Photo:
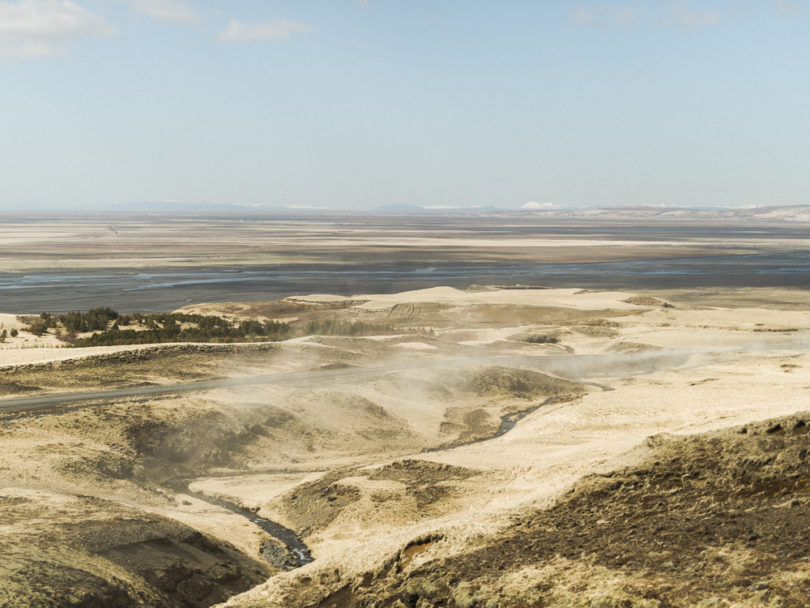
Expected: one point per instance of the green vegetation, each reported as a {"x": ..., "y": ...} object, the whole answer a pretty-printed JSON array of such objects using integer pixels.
[
  {"x": 39, "y": 325},
  {"x": 111, "y": 328},
  {"x": 175, "y": 327},
  {"x": 542, "y": 339},
  {"x": 151, "y": 328},
  {"x": 95, "y": 319}
]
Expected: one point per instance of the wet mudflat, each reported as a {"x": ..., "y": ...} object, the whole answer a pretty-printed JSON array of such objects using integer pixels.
[
  {"x": 165, "y": 289},
  {"x": 143, "y": 264}
]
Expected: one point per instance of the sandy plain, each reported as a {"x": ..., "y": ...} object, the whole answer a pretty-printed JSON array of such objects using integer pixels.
[
  {"x": 498, "y": 446},
  {"x": 138, "y": 242},
  {"x": 400, "y": 464}
]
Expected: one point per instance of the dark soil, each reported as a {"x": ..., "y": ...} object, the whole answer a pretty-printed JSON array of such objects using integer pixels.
[
  {"x": 116, "y": 557},
  {"x": 720, "y": 517}
]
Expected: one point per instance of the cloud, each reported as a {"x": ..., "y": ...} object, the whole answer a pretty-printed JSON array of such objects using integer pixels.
[
  {"x": 41, "y": 28},
  {"x": 170, "y": 11},
  {"x": 602, "y": 16},
  {"x": 533, "y": 206},
  {"x": 684, "y": 17},
  {"x": 589, "y": 16},
  {"x": 678, "y": 13},
  {"x": 788, "y": 7},
  {"x": 278, "y": 29}
]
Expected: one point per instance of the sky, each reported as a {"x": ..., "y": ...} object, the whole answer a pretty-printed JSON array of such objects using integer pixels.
[{"x": 355, "y": 104}]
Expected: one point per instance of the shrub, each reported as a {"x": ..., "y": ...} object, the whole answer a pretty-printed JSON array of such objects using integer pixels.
[{"x": 542, "y": 339}]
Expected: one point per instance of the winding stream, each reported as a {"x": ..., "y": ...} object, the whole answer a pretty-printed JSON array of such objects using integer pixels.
[
  {"x": 508, "y": 422},
  {"x": 297, "y": 553}
]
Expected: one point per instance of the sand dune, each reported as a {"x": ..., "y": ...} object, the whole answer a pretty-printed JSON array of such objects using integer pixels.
[{"x": 386, "y": 475}]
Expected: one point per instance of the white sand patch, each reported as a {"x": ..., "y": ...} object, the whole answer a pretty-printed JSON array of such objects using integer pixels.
[
  {"x": 22, "y": 355},
  {"x": 309, "y": 341},
  {"x": 563, "y": 298},
  {"x": 10, "y": 322},
  {"x": 318, "y": 298},
  {"x": 415, "y": 346},
  {"x": 253, "y": 490},
  {"x": 739, "y": 319},
  {"x": 483, "y": 337}
]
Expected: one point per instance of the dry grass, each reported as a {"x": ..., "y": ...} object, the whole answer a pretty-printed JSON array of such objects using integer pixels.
[{"x": 353, "y": 462}]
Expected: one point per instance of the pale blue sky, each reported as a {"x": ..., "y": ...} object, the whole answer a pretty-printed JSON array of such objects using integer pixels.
[{"x": 350, "y": 104}]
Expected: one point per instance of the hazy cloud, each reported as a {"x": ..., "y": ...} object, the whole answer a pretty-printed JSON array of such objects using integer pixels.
[
  {"x": 789, "y": 7},
  {"x": 600, "y": 15},
  {"x": 586, "y": 15},
  {"x": 681, "y": 15},
  {"x": 278, "y": 29},
  {"x": 41, "y": 28},
  {"x": 534, "y": 205},
  {"x": 170, "y": 11}
]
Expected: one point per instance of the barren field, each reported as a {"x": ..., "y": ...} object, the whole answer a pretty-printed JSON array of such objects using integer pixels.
[
  {"x": 144, "y": 242},
  {"x": 506, "y": 447}
]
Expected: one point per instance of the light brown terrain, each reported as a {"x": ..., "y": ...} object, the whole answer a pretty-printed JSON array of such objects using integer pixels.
[
  {"x": 654, "y": 454},
  {"x": 135, "y": 241}
]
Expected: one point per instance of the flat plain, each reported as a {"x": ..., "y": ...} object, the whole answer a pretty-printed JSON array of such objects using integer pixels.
[
  {"x": 135, "y": 263},
  {"x": 496, "y": 443}
]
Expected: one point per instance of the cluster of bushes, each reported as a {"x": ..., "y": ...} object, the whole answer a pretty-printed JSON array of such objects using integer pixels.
[
  {"x": 111, "y": 328},
  {"x": 95, "y": 319},
  {"x": 5, "y": 334},
  {"x": 39, "y": 325},
  {"x": 167, "y": 328},
  {"x": 151, "y": 328},
  {"x": 542, "y": 339}
]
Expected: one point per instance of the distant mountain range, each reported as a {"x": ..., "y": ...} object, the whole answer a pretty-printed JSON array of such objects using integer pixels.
[
  {"x": 638, "y": 213},
  {"x": 776, "y": 213},
  {"x": 780, "y": 213}
]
